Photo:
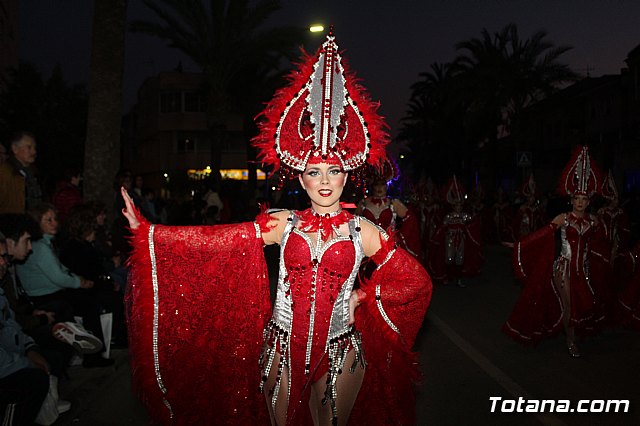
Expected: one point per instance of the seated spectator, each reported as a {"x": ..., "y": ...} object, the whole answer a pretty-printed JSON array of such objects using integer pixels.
[
  {"x": 67, "y": 194},
  {"x": 79, "y": 254},
  {"x": 24, "y": 372},
  {"x": 47, "y": 283},
  {"x": 40, "y": 324}
]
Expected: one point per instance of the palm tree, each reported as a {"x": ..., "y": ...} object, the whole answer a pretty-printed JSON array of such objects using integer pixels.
[
  {"x": 102, "y": 148},
  {"x": 503, "y": 74},
  {"x": 227, "y": 41},
  {"x": 433, "y": 122}
]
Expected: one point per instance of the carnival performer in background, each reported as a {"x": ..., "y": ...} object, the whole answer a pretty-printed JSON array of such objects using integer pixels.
[
  {"x": 530, "y": 216},
  {"x": 456, "y": 249},
  {"x": 389, "y": 213},
  {"x": 199, "y": 301},
  {"x": 431, "y": 213},
  {"x": 615, "y": 221},
  {"x": 502, "y": 217},
  {"x": 563, "y": 291}
]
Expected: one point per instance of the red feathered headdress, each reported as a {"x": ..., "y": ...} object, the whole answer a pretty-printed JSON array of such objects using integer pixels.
[
  {"x": 388, "y": 171},
  {"x": 529, "y": 187},
  {"x": 580, "y": 176},
  {"x": 454, "y": 192},
  {"x": 609, "y": 190},
  {"x": 323, "y": 115}
]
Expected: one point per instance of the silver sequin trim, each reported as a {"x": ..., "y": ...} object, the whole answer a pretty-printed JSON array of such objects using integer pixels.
[
  {"x": 386, "y": 259},
  {"x": 520, "y": 260},
  {"x": 258, "y": 232},
  {"x": 156, "y": 303},
  {"x": 382, "y": 311}
]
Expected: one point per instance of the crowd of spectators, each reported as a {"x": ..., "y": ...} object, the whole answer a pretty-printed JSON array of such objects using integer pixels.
[{"x": 59, "y": 275}]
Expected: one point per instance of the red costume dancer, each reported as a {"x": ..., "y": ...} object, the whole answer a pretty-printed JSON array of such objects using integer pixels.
[
  {"x": 389, "y": 213},
  {"x": 628, "y": 265},
  {"x": 456, "y": 246},
  {"x": 199, "y": 303},
  {"x": 530, "y": 216},
  {"x": 614, "y": 220},
  {"x": 564, "y": 290}
]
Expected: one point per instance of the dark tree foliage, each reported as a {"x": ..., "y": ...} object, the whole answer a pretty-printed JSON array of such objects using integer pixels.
[
  {"x": 53, "y": 110},
  {"x": 459, "y": 107},
  {"x": 236, "y": 49}
]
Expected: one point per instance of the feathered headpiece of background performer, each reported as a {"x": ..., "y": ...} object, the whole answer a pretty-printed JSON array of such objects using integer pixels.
[
  {"x": 581, "y": 175},
  {"x": 322, "y": 115},
  {"x": 529, "y": 187},
  {"x": 609, "y": 190},
  {"x": 387, "y": 171},
  {"x": 426, "y": 189},
  {"x": 454, "y": 192}
]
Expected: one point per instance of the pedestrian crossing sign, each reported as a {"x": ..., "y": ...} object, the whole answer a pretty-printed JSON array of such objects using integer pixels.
[{"x": 524, "y": 158}]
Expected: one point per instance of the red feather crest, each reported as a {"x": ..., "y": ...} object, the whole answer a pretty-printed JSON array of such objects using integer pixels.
[{"x": 323, "y": 115}]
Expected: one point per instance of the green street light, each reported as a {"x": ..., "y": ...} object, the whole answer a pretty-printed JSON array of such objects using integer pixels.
[{"x": 316, "y": 28}]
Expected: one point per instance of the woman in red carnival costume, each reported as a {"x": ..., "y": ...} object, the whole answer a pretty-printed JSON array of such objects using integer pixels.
[
  {"x": 529, "y": 216},
  {"x": 614, "y": 219},
  {"x": 564, "y": 291},
  {"x": 456, "y": 249},
  {"x": 199, "y": 311},
  {"x": 391, "y": 214}
]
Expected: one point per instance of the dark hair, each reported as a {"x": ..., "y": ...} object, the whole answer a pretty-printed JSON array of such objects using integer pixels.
[
  {"x": 80, "y": 222},
  {"x": 39, "y": 210},
  {"x": 120, "y": 178},
  {"x": 18, "y": 136},
  {"x": 97, "y": 207},
  {"x": 71, "y": 172},
  {"x": 15, "y": 225}
]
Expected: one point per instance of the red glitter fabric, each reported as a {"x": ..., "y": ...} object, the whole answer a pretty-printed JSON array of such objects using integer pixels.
[
  {"x": 210, "y": 323},
  {"x": 387, "y": 395},
  {"x": 213, "y": 303},
  {"x": 334, "y": 267}
]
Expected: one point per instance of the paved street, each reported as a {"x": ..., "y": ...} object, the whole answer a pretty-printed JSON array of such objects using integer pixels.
[{"x": 466, "y": 360}]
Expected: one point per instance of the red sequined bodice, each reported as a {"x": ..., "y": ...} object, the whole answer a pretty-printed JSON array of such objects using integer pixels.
[
  {"x": 383, "y": 216},
  {"x": 335, "y": 263}
]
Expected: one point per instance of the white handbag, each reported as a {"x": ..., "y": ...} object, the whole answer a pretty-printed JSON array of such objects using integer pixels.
[{"x": 49, "y": 411}]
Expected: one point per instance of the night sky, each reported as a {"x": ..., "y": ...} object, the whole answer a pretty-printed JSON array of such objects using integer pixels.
[{"x": 387, "y": 43}]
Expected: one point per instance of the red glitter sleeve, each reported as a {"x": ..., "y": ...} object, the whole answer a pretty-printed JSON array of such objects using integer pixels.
[
  {"x": 387, "y": 395},
  {"x": 206, "y": 312},
  {"x": 538, "y": 308}
]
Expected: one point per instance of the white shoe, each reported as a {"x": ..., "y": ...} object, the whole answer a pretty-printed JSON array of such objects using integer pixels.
[
  {"x": 75, "y": 335},
  {"x": 63, "y": 406}
]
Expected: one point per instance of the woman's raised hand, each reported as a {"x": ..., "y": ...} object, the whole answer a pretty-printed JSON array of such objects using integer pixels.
[{"x": 129, "y": 210}]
